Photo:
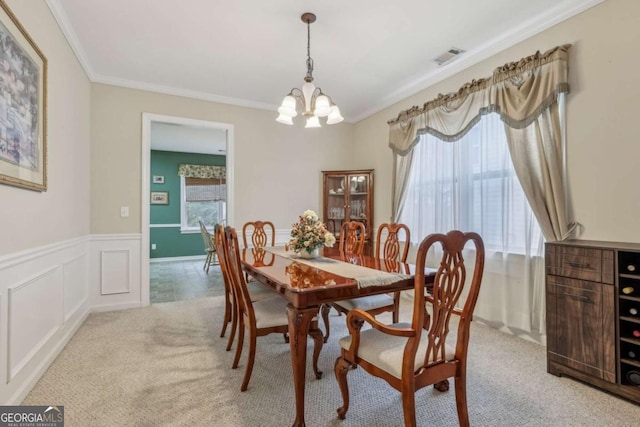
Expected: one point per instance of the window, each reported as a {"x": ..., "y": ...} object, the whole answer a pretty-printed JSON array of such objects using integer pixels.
[
  {"x": 470, "y": 185},
  {"x": 202, "y": 199}
]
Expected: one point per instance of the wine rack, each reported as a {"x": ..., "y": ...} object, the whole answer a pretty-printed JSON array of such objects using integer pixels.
[
  {"x": 629, "y": 317},
  {"x": 593, "y": 314}
]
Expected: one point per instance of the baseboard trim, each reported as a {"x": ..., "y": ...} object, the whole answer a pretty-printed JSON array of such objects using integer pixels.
[
  {"x": 115, "y": 307},
  {"x": 178, "y": 258}
]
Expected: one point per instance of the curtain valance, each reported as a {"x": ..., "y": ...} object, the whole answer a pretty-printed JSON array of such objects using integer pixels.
[
  {"x": 202, "y": 171},
  {"x": 518, "y": 91}
]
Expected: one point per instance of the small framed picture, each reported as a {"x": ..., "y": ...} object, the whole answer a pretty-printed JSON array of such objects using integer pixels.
[
  {"x": 158, "y": 179},
  {"x": 159, "y": 197}
]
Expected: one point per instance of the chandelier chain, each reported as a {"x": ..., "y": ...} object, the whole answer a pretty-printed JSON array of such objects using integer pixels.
[{"x": 309, "y": 76}]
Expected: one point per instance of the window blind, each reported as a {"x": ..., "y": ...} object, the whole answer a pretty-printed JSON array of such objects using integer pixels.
[{"x": 205, "y": 189}]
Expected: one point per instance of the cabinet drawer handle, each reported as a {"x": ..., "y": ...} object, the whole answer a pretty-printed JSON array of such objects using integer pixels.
[
  {"x": 578, "y": 265},
  {"x": 578, "y": 297}
]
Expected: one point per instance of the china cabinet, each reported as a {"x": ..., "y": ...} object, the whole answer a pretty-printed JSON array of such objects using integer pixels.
[
  {"x": 348, "y": 196},
  {"x": 593, "y": 314}
]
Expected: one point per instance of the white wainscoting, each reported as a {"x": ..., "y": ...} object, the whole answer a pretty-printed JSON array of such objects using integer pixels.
[
  {"x": 44, "y": 298},
  {"x": 47, "y": 292},
  {"x": 115, "y": 272},
  {"x": 282, "y": 236}
]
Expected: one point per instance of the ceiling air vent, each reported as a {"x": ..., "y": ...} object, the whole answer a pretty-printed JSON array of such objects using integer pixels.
[{"x": 448, "y": 56}]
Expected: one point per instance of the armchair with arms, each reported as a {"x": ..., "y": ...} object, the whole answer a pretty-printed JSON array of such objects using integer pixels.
[{"x": 410, "y": 356}]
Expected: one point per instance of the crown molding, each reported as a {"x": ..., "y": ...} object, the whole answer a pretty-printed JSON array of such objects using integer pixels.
[
  {"x": 63, "y": 22},
  {"x": 510, "y": 38},
  {"x": 168, "y": 90},
  {"x": 504, "y": 41}
]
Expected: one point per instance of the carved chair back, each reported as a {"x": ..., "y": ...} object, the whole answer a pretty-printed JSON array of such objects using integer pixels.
[
  {"x": 392, "y": 248},
  {"x": 449, "y": 282},
  {"x": 352, "y": 234},
  {"x": 260, "y": 233}
]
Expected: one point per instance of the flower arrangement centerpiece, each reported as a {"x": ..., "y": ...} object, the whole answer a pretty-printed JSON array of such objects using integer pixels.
[{"x": 309, "y": 234}]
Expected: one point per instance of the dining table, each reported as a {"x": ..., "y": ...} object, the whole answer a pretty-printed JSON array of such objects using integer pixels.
[{"x": 308, "y": 283}]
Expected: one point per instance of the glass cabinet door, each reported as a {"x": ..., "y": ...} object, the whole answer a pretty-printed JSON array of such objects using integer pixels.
[
  {"x": 348, "y": 196},
  {"x": 358, "y": 197},
  {"x": 335, "y": 209}
]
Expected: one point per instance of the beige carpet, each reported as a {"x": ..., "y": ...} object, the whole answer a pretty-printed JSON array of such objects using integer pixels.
[{"x": 166, "y": 365}]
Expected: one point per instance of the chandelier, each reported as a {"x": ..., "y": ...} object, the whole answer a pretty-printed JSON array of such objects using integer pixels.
[{"x": 314, "y": 103}]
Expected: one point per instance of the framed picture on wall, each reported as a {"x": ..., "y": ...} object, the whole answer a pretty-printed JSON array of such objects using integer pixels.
[
  {"x": 159, "y": 197},
  {"x": 158, "y": 179},
  {"x": 23, "y": 106}
]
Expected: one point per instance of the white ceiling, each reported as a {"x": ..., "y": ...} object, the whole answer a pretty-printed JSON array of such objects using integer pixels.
[
  {"x": 368, "y": 53},
  {"x": 188, "y": 139}
]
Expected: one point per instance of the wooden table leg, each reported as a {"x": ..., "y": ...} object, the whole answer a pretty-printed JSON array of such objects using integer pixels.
[{"x": 299, "y": 321}]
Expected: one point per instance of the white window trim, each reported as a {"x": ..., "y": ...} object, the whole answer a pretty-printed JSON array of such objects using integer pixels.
[{"x": 184, "y": 228}]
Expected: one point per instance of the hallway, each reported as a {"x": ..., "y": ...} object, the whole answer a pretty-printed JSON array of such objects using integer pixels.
[{"x": 183, "y": 280}]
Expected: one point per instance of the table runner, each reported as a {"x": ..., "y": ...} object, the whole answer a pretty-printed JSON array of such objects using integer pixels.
[{"x": 363, "y": 276}]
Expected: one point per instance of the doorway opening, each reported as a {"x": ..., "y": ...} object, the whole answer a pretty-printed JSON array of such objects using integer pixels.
[{"x": 164, "y": 135}]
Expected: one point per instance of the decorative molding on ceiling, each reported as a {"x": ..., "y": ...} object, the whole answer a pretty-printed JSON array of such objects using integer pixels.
[
  {"x": 506, "y": 40},
  {"x": 63, "y": 22},
  {"x": 510, "y": 38}
]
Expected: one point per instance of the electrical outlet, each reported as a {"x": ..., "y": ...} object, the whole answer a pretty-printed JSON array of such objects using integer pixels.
[
  {"x": 153, "y": 246},
  {"x": 124, "y": 211}
]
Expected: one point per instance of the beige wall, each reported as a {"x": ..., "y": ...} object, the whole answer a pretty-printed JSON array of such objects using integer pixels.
[
  {"x": 277, "y": 167},
  {"x": 275, "y": 163},
  {"x": 602, "y": 110},
  {"x": 27, "y": 218}
]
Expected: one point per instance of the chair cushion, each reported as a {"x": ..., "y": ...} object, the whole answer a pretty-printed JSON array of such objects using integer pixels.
[
  {"x": 259, "y": 291},
  {"x": 386, "y": 351},
  {"x": 366, "y": 303},
  {"x": 271, "y": 312}
]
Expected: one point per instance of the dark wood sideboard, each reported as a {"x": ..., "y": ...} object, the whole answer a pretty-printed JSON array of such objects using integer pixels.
[{"x": 593, "y": 314}]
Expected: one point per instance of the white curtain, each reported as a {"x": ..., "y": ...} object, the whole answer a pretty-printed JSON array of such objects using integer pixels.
[
  {"x": 463, "y": 193},
  {"x": 471, "y": 185}
]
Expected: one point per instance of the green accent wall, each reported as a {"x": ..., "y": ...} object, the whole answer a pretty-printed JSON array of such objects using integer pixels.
[{"x": 168, "y": 240}]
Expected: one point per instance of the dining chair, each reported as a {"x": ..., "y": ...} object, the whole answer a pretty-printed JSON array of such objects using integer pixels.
[
  {"x": 410, "y": 356},
  {"x": 256, "y": 290},
  {"x": 209, "y": 247},
  {"x": 352, "y": 235},
  {"x": 261, "y": 317},
  {"x": 392, "y": 245},
  {"x": 259, "y": 233}
]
